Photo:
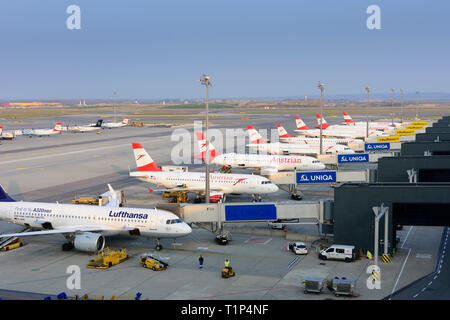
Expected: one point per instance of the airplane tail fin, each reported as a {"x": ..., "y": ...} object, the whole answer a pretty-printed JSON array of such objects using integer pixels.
[
  {"x": 4, "y": 197},
  {"x": 348, "y": 120},
  {"x": 282, "y": 132},
  {"x": 201, "y": 140},
  {"x": 300, "y": 124},
  {"x": 324, "y": 122},
  {"x": 58, "y": 127},
  {"x": 99, "y": 123},
  {"x": 1, "y": 130},
  {"x": 125, "y": 120},
  {"x": 255, "y": 137},
  {"x": 143, "y": 160}
]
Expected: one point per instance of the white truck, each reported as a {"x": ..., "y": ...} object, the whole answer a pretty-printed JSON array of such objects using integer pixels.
[{"x": 339, "y": 252}]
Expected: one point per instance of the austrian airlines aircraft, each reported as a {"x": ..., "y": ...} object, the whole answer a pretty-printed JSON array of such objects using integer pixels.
[
  {"x": 43, "y": 132},
  {"x": 286, "y": 137},
  {"x": 84, "y": 227},
  {"x": 335, "y": 131},
  {"x": 110, "y": 125},
  {"x": 91, "y": 127},
  {"x": 372, "y": 125},
  {"x": 220, "y": 183},
  {"x": 258, "y": 143},
  {"x": 267, "y": 164},
  {"x": 6, "y": 135}
]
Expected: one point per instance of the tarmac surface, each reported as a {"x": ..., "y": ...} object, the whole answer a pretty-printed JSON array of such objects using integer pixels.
[{"x": 62, "y": 167}]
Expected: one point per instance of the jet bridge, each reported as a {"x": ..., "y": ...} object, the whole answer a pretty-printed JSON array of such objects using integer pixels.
[{"x": 213, "y": 216}]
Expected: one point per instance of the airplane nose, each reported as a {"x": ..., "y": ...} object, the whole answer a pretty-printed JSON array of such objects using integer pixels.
[
  {"x": 321, "y": 166},
  {"x": 185, "y": 229}
]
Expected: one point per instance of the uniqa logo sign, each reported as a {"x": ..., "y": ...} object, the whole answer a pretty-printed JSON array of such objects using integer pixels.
[
  {"x": 316, "y": 177},
  {"x": 353, "y": 158},
  {"x": 377, "y": 146}
]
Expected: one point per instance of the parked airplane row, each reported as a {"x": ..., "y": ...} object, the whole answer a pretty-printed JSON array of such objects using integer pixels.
[{"x": 9, "y": 135}]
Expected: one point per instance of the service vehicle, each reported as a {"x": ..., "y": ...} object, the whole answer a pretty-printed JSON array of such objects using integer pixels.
[
  {"x": 107, "y": 258},
  {"x": 298, "y": 247},
  {"x": 17, "y": 243},
  {"x": 228, "y": 272},
  {"x": 338, "y": 252},
  {"x": 150, "y": 262}
]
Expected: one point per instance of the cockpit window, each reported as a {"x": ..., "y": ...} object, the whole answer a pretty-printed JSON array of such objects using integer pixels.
[
  {"x": 266, "y": 182},
  {"x": 172, "y": 221}
]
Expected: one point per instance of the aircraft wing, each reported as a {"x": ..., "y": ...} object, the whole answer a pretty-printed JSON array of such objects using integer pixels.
[
  {"x": 58, "y": 231},
  {"x": 268, "y": 170}
]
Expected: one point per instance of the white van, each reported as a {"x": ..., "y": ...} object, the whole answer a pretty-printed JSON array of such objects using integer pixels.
[{"x": 338, "y": 252}]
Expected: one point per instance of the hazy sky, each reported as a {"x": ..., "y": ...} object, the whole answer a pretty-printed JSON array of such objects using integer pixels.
[{"x": 251, "y": 48}]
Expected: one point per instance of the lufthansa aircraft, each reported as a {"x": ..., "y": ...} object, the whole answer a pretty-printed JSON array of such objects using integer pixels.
[
  {"x": 84, "y": 227},
  {"x": 220, "y": 183}
]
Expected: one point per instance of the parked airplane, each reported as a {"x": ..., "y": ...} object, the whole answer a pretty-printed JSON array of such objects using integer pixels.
[
  {"x": 266, "y": 164},
  {"x": 43, "y": 132},
  {"x": 258, "y": 143},
  {"x": 6, "y": 135},
  {"x": 372, "y": 125},
  {"x": 286, "y": 137},
  {"x": 110, "y": 125},
  {"x": 220, "y": 183},
  {"x": 91, "y": 127},
  {"x": 342, "y": 131},
  {"x": 84, "y": 227}
]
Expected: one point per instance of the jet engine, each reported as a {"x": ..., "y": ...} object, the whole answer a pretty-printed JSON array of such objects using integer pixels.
[{"x": 89, "y": 242}]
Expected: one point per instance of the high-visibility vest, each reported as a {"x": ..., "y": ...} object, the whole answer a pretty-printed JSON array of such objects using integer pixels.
[{"x": 227, "y": 263}]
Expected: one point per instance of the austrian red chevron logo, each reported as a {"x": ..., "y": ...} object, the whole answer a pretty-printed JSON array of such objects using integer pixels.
[
  {"x": 239, "y": 180},
  {"x": 142, "y": 155}
]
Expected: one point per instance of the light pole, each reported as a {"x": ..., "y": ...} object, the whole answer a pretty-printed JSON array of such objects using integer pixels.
[
  {"x": 401, "y": 106},
  {"x": 204, "y": 80},
  {"x": 417, "y": 105},
  {"x": 114, "y": 93},
  {"x": 320, "y": 86},
  {"x": 368, "y": 110},
  {"x": 393, "y": 91}
]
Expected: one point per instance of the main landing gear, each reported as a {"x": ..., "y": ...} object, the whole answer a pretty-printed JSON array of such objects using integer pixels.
[{"x": 158, "y": 245}]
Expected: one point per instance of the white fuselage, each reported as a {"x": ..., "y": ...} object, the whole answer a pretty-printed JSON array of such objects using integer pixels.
[
  {"x": 375, "y": 125},
  {"x": 227, "y": 183},
  {"x": 82, "y": 128},
  {"x": 40, "y": 132},
  {"x": 279, "y": 162},
  {"x": 110, "y": 125},
  {"x": 341, "y": 131},
  {"x": 311, "y": 149},
  {"x": 118, "y": 220},
  {"x": 303, "y": 139}
]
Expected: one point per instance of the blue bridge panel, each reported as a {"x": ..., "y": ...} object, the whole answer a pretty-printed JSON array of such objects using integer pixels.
[{"x": 252, "y": 212}]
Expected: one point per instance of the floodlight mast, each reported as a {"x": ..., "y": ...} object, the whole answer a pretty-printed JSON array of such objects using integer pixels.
[
  {"x": 205, "y": 80},
  {"x": 321, "y": 87},
  {"x": 367, "y": 114}
]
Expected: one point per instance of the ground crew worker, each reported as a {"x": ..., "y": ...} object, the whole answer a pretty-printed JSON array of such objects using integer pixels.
[
  {"x": 227, "y": 264},
  {"x": 200, "y": 261}
]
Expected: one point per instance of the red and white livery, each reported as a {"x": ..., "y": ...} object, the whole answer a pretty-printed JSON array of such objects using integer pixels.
[
  {"x": 266, "y": 164},
  {"x": 220, "y": 183},
  {"x": 258, "y": 143}
]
